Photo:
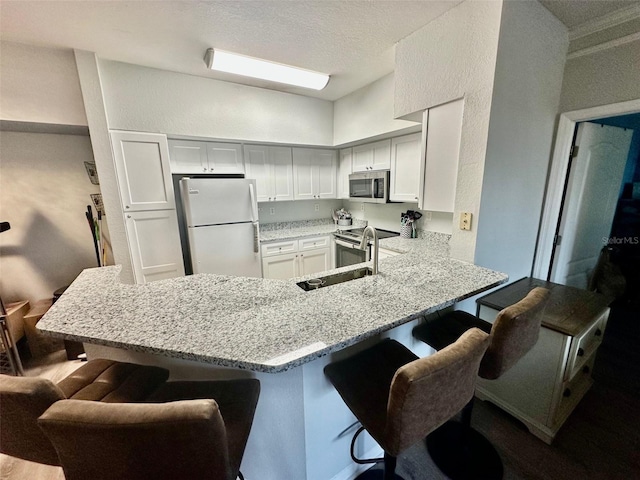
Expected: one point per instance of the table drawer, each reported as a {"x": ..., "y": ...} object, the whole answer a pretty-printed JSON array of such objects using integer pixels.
[
  {"x": 584, "y": 345},
  {"x": 279, "y": 248},
  {"x": 573, "y": 390},
  {"x": 313, "y": 243}
]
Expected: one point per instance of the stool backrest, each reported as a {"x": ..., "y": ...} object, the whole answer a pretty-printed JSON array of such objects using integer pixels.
[
  {"x": 514, "y": 332},
  {"x": 429, "y": 391},
  {"x": 22, "y": 401},
  {"x": 127, "y": 441}
]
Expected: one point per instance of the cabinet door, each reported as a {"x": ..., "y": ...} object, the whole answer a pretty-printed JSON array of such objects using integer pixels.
[
  {"x": 362, "y": 158},
  {"x": 344, "y": 170},
  {"x": 154, "y": 244},
  {"x": 281, "y": 163},
  {"x": 381, "y": 155},
  {"x": 144, "y": 173},
  {"x": 405, "y": 168},
  {"x": 280, "y": 267},
  {"x": 188, "y": 157},
  {"x": 258, "y": 168},
  {"x": 225, "y": 158},
  {"x": 315, "y": 261},
  {"x": 326, "y": 171},
  {"x": 304, "y": 180},
  {"x": 444, "y": 129}
]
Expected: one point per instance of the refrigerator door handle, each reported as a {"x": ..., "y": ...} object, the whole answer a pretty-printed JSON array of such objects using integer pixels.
[
  {"x": 256, "y": 238},
  {"x": 254, "y": 204}
]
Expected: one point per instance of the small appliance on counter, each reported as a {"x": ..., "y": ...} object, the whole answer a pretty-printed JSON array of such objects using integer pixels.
[
  {"x": 348, "y": 246},
  {"x": 342, "y": 218}
]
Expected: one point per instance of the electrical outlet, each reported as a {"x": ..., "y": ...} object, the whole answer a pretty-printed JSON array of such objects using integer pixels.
[
  {"x": 465, "y": 221},
  {"x": 272, "y": 211},
  {"x": 316, "y": 207},
  {"x": 362, "y": 206}
]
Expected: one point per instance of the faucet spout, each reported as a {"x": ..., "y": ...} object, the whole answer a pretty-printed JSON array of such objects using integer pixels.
[{"x": 370, "y": 231}]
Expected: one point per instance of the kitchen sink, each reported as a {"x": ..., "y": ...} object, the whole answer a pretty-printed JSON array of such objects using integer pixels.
[{"x": 335, "y": 279}]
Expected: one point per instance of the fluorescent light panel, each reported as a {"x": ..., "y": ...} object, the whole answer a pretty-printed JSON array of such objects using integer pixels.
[{"x": 263, "y": 69}]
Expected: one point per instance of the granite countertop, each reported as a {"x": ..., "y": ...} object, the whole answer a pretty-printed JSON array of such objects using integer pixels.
[
  {"x": 271, "y": 232},
  {"x": 262, "y": 324}
]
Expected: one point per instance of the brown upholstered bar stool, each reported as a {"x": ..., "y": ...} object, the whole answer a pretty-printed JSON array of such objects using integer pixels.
[
  {"x": 24, "y": 399},
  {"x": 458, "y": 450},
  {"x": 400, "y": 398},
  {"x": 190, "y": 439}
]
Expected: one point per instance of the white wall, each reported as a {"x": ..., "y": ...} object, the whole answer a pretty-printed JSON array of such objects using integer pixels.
[
  {"x": 531, "y": 55},
  {"x": 366, "y": 113},
  {"x": 44, "y": 191},
  {"x": 150, "y": 100},
  {"x": 297, "y": 210},
  {"x": 387, "y": 216},
  {"x": 453, "y": 57},
  {"x": 602, "y": 78},
  {"x": 39, "y": 85}
]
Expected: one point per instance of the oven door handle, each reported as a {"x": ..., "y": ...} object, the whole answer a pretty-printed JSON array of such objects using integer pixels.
[{"x": 343, "y": 243}]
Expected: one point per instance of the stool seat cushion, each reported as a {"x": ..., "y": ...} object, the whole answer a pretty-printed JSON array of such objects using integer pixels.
[
  {"x": 113, "y": 382},
  {"x": 237, "y": 400}
]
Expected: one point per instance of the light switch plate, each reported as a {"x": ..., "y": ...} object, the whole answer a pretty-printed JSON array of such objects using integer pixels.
[{"x": 465, "y": 221}]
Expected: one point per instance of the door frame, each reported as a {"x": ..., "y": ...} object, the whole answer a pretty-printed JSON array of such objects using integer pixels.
[{"x": 558, "y": 172}]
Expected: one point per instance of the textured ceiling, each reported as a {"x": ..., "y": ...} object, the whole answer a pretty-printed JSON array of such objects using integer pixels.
[{"x": 353, "y": 40}]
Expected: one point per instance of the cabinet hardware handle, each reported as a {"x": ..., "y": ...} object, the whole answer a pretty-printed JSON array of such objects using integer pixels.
[
  {"x": 204, "y": 169},
  {"x": 566, "y": 393},
  {"x": 585, "y": 369},
  {"x": 580, "y": 352},
  {"x": 128, "y": 216},
  {"x": 598, "y": 332},
  {"x": 126, "y": 206}
]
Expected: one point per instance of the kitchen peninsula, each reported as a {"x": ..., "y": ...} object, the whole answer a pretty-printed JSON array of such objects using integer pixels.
[{"x": 274, "y": 331}]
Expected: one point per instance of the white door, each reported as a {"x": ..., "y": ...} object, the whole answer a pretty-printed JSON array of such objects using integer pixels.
[
  {"x": 154, "y": 244},
  {"x": 281, "y": 176},
  {"x": 326, "y": 171},
  {"x": 212, "y": 201},
  {"x": 143, "y": 169},
  {"x": 281, "y": 267},
  {"x": 304, "y": 187},
  {"x": 443, "y": 126},
  {"x": 225, "y": 158},
  {"x": 315, "y": 261},
  {"x": 362, "y": 158},
  {"x": 258, "y": 168},
  {"x": 344, "y": 170},
  {"x": 595, "y": 177},
  {"x": 405, "y": 168},
  {"x": 381, "y": 155},
  {"x": 187, "y": 156},
  {"x": 225, "y": 250}
]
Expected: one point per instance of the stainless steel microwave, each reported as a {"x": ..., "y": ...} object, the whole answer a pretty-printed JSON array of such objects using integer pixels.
[{"x": 370, "y": 187}]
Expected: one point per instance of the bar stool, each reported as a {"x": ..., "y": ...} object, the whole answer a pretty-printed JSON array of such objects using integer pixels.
[
  {"x": 399, "y": 398},
  {"x": 458, "y": 450},
  {"x": 24, "y": 399},
  {"x": 200, "y": 438}
]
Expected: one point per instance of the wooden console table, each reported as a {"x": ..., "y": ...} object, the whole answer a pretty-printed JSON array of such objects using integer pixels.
[{"x": 546, "y": 385}]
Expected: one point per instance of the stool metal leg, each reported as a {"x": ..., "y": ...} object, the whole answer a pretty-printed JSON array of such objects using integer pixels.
[{"x": 10, "y": 347}]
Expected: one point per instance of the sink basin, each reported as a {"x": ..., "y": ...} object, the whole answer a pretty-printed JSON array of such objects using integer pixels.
[{"x": 335, "y": 279}]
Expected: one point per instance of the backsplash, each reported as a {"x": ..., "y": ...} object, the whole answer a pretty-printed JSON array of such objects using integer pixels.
[
  {"x": 297, "y": 210},
  {"x": 387, "y": 216}
]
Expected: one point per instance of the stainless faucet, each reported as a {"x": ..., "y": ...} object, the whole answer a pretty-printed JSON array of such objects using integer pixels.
[{"x": 369, "y": 230}]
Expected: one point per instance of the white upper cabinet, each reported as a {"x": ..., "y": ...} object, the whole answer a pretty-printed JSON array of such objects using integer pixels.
[
  {"x": 344, "y": 170},
  {"x": 405, "y": 168},
  {"x": 372, "y": 156},
  {"x": 225, "y": 158},
  {"x": 142, "y": 167},
  {"x": 444, "y": 130},
  {"x": 272, "y": 168},
  {"x": 189, "y": 156},
  {"x": 314, "y": 173}
]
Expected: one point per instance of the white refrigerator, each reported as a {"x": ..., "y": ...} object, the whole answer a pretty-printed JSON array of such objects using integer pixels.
[{"x": 221, "y": 216}]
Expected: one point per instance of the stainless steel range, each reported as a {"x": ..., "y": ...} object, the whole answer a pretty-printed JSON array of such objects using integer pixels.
[{"x": 348, "y": 246}]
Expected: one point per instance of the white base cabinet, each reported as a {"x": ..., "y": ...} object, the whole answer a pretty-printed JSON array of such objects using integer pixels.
[
  {"x": 154, "y": 244},
  {"x": 296, "y": 258}
]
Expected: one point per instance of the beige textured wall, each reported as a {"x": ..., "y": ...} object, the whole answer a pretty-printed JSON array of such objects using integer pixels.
[{"x": 44, "y": 191}]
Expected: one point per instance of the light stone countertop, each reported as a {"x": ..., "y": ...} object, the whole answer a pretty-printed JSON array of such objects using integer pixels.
[
  {"x": 262, "y": 324},
  {"x": 281, "y": 231}
]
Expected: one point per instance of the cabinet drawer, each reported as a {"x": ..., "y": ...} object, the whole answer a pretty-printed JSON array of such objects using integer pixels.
[
  {"x": 573, "y": 390},
  {"x": 584, "y": 345},
  {"x": 279, "y": 248},
  {"x": 312, "y": 243}
]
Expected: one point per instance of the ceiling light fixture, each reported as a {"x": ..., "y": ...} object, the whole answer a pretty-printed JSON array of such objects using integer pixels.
[{"x": 263, "y": 69}]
